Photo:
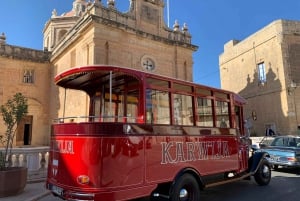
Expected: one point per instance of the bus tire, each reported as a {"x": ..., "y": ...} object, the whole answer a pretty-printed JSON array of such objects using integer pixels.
[
  {"x": 185, "y": 188},
  {"x": 263, "y": 173}
]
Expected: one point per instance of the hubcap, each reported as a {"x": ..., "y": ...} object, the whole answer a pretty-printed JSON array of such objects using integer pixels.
[
  {"x": 183, "y": 196},
  {"x": 266, "y": 171}
]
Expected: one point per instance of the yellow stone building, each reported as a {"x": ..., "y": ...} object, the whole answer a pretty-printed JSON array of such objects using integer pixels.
[
  {"x": 91, "y": 33},
  {"x": 27, "y": 71},
  {"x": 265, "y": 69}
]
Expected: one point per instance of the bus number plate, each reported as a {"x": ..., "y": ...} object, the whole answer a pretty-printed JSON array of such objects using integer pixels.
[{"x": 56, "y": 190}]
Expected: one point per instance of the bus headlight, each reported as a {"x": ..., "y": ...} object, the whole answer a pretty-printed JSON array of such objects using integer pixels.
[{"x": 83, "y": 179}]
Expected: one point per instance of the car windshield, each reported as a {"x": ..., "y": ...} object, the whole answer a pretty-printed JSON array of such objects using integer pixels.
[
  {"x": 286, "y": 142},
  {"x": 266, "y": 141}
]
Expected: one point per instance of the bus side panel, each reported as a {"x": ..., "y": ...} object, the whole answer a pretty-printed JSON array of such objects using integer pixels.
[
  {"x": 109, "y": 162},
  {"x": 208, "y": 155}
]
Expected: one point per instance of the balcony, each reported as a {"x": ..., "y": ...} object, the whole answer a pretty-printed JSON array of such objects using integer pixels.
[{"x": 34, "y": 158}]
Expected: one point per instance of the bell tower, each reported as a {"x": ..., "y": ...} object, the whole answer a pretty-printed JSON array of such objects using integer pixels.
[
  {"x": 58, "y": 25},
  {"x": 149, "y": 15},
  {"x": 79, "y": 7}
]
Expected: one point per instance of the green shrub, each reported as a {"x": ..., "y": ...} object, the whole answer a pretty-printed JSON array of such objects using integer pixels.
[{"x": 12, "y": 113}]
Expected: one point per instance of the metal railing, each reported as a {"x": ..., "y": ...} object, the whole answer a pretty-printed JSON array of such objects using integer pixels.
[{"x": 104, "y": 118}]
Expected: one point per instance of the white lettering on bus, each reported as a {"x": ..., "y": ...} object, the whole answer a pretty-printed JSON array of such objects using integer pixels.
[
  {"x": 166, "y": 157},
  {"x": 190, "y": 151},
  {"x": 177, "y": 152},
  {"x": 64, "y": 146}
]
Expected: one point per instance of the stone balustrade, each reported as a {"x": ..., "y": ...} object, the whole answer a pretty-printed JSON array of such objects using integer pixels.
[
  {"x": 23, "y": 53},
  {"x": 34, "y": 158}
]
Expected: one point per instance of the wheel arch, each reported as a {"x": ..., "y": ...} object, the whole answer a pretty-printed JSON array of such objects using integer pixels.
[
  {"x": 191, "y": 171},
  {"x": 255, "y": 161},
  {"x": 163, "y": 189}
]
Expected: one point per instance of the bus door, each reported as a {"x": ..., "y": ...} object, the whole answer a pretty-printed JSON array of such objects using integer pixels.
[{"x": 243, "y": 140}]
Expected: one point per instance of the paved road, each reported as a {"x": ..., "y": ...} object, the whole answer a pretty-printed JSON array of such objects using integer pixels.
[{"x": 284, "y": 186}]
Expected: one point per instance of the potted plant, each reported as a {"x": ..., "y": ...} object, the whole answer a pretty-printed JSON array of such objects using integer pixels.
[{"x": 12, "y": 179}]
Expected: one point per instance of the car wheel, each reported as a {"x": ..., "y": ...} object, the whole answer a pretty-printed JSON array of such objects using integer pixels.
[
  {"x": 186, "y": 188},
  {"x": 263, "y": 173}
]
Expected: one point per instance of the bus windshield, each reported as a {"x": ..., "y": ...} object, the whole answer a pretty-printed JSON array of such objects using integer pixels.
[
  {"x": 118, "y": 102},
  {"x": 113, "y": 95}
]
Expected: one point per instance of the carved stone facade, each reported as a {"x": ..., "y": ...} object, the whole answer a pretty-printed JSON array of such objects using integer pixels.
[
  {"x": 136, "y": 39},
  {"x": 103, "y": 35},
  {"x": 264, "y": 69},
  {"x": 91, "y": 33}
]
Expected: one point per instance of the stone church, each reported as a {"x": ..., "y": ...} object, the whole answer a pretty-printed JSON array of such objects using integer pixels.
[{"x": 93, "y": 32}]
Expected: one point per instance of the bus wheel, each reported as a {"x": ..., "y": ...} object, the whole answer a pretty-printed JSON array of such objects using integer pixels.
[
  {"x": 186, "y": 188},
  {"x": 263, "y": 174}
]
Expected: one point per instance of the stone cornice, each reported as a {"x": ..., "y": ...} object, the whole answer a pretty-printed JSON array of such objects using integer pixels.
[
  {"x": 172, "y": 38},
  {"x": 177, "y": 38}
]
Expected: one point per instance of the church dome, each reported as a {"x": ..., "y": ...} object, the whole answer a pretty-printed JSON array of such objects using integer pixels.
[{"x": 79, "y": 7}]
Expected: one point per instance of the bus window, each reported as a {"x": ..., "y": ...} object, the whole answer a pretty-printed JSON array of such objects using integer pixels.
[
  {"x": 221, "y": 95},
  {"x": 109, "y": 109},
  {"x": 96, "y": 107},
  {"x": 182, "y": 107},
  {"x": 132, "y": 106},
  {"x": 119, "y": 106},
  {"x": 99, "y": 109},
  {"x": 204, "y": 112},
  {"x": 239, "y": 124},
  {"x": 222, "y": 114},
  {"x": 182, "y": 88},
  {"x": 157, "y": 83},
  {"x": 124, "y": 108},
  {"x": 157, "y": 106},
  {"x": 204, "y": 92}
]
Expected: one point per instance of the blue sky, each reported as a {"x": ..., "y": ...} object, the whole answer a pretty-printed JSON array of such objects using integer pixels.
[{"x": 212, "y": 23}]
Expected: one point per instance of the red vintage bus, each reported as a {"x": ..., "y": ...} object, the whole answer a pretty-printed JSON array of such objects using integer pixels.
[{"x": 148, "y": 135}]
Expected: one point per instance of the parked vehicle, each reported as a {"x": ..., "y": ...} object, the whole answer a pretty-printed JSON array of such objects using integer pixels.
[
  {"x": 261, "y": 143},
  {"x": 147, "y": 135},
  {"x": 266, "y": 141},
  {"x": 283, "y": 151}
]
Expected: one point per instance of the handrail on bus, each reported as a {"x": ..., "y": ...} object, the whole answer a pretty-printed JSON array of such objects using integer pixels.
[{"x": 104, "y": 118}]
